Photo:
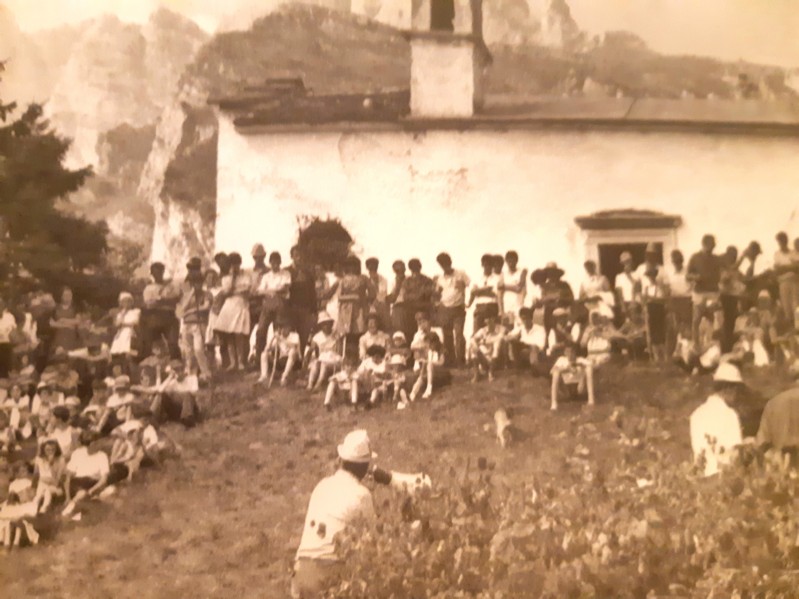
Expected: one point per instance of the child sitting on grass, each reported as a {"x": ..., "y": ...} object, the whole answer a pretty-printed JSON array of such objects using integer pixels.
[
  {"x": 50, "y": 470},
  {"x": 430, "y": 366},
  {"x": 372, "y": 373},
  {"x": 574, "y": 374},
  {"x": 397, "y": 368},
  {"x": 485, "y": 347},
  {"x": 526, "y": 341},
  {"x": 323, "y": 348},
  {"x": 345, "y": 380},
  {"x": 283, "y": 351}
]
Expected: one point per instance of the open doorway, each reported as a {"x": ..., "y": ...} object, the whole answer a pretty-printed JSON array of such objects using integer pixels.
[
  {"x": 442, "y": 15},
  {"x": 609, "y": 257}
]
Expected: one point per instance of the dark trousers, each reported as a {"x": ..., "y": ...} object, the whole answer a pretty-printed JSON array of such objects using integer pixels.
[
  {"x": 303, "y": 320},
  {"x": 452, "y": 320},
  {"x": 6, "y": 359},
  {"x": 403, "y": 319},
  {"x": 159, "y": 325},
  {"x": 271, "y": 311},
  {"x": 480, "y": 313},
  {"x": 729, "y": 307}
]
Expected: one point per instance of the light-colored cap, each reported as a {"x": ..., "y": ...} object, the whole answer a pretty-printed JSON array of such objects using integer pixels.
[
  {"x": 399, "y": 335},
  {"x": 651, "y": 248},
  {"x": 323, "y": 317},
  {"x": 72, "y": 402},
  {"x": 258, "y": 250},
  {"x": 727, "y": 373},
  {"x": 626, "y": 257},
  {"x": 122, "y": 382},
  {"x": 356, "y": 447}
]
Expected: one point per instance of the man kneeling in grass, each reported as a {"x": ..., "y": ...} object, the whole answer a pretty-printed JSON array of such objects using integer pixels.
[{"x": 573, "y": 376}]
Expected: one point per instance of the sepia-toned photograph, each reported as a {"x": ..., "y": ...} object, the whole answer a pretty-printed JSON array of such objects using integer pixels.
[{"x": 399, "y": 299}]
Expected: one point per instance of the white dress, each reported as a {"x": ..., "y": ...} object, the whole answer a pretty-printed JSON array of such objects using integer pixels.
[
  {"x": 234, "y": 317},
  {"x": 126, "y": 322},
  {"x": 512, "y": 301}
]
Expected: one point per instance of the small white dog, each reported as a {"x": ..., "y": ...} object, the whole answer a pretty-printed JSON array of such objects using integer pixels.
[
  {"x": 410, "y": 483},
  {"x": 503, "y": 423}
]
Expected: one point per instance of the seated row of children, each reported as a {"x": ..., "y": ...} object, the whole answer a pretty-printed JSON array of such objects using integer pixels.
[{"x": 61, "y": 451}]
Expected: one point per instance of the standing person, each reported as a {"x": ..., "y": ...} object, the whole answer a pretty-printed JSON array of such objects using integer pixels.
[
  {"x": 654, "y": 292},
  {"x": 380, "y": 291},
  {"x": 451, "y": 289},
  {"x": 65, "y": 323},
  {"x": 42, "y": 307},
  {"x": 396, "y": 298},
  {"x": 158, "y": 316},
  {"x": 732, "y": 289},
  {"x": 233, "y": 320},
  {"x": 704, "y": 271},
  {"x": 418, "y": 290},
  {"x": 555, "y": 293},
  {"x": 626, "y": 285},
  {"x": 513, "y": 285},
  {"x": 679, "y": 302},
  {"x": 336, "y": 503},
  {"x": 193, "y": 310},
  {"x": 786, "y": 263},
  {"x": 126, "y": 323},
  {"x": 302, "y": 301},
  {"x": 259, "y": 267},
  {"x": 484, "y": 294},
  {"x": 274, "y": 290},
  {"x": 213, "y": 286},
  {"x": 8, "y": 325},
  {"x": 751, "y": 272},
  {"x": 595, "y": 286},
  {"x": 355, "y": 294}
]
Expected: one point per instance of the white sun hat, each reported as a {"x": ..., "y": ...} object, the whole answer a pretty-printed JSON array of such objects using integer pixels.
[
  {"x": 727, "y": 373},
  {"x": 356, "y": 447}
]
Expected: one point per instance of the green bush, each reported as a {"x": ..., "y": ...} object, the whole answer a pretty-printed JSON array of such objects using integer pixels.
[{"x": 646, "y": 527}]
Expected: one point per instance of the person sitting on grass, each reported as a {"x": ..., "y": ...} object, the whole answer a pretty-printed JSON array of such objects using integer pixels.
[
  {"x": 397, "y": 369},
  {"x": 572, "y": 374},
  {"x": 399, "y": 347},
  {"x": 127, "y": 452},
  {"x": 16, "y": 522},
  {"x": 419, "y": 343},
  {"x": 176, "y": 398},
  {"x": 485, "y": 346},
  {"x": 283, "y": 351},
  {"x": 50, "y": 470},
  {"x": 323, "y": 348},
  {"x": 715, "y": 427},
  {"x": 632, "y": 338},
  {"x": 87, "y": 473},
  {"x": 157, "y": 445},
  {"x": 118, "y": 407},
  {"x": 372, "y": 336},
  {"x": 345, "y": 380},
  {"x": 372, "y": 373},
  {"x": 527, "y": 341},
  {"x": 61, "y": 431},
  {"x": 431, "y": 369}
]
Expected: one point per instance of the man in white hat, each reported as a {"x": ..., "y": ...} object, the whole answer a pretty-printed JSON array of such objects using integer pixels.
[
  {"x": 336, "y": 502},
  {"x": 715, "y": 426}
]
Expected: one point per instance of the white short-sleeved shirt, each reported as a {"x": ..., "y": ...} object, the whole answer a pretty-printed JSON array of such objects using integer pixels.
[
  {"x": 570, "y": 372},
  {"x": 286, "y": 344},
  {"x": 369, "y": 367},
  {"x": 325, "y": 343},
  {"x": 679, "y": 286},
  {"x": 627, "y": 285},
  {"x": 336, "y": 502},
  {"x": 274, "y": 283},
  {"x": 715, "y": 431},
  {"x": 7, "y": 324},
  {"x": 493, "y": 280},
  {"x": 368, "y": 339},
  {"x": 535, "y": 336},
  {"x": 84, "y": 465},
  {"x": 453, "y": 288}
]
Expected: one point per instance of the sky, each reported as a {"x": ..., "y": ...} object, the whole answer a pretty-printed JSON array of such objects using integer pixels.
[{"x": 764, "y": 31}]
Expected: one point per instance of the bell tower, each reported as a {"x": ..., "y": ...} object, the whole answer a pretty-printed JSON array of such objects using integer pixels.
[{"x": 449, "y": 58}]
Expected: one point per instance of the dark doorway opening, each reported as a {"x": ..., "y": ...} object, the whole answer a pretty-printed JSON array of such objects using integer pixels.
[
  {"x": 442, "y": 15},
  {"x": 609, "y": 254}
]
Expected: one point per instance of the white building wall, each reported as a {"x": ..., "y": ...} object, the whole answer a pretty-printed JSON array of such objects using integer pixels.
[{"x": 406, "y": 195}]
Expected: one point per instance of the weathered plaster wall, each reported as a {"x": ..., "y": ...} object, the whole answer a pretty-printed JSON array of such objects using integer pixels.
[
  {"x": 442, "y": 78},
  {"x": 405, "y": 195}
]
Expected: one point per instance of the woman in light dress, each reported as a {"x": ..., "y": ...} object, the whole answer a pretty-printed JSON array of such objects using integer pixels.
[
  {"x": 126, "y": 323},
  {"x": 214, "y": 287},
  {"x": 233, "y": 320},
  {"x": 513, "y": 285}
]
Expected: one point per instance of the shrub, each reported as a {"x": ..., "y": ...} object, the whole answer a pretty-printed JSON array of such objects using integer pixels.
[{"x": 654, "y": 529}]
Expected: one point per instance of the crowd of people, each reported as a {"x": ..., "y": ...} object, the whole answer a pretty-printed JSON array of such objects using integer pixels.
[{"x": 67, "y": 380}]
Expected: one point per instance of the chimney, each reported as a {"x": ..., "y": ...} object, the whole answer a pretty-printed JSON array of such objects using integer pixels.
[{"x": 449, "y": 58}]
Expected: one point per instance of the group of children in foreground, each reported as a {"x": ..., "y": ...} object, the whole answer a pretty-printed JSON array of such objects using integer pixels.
[{"x": 62, "y": 451}]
